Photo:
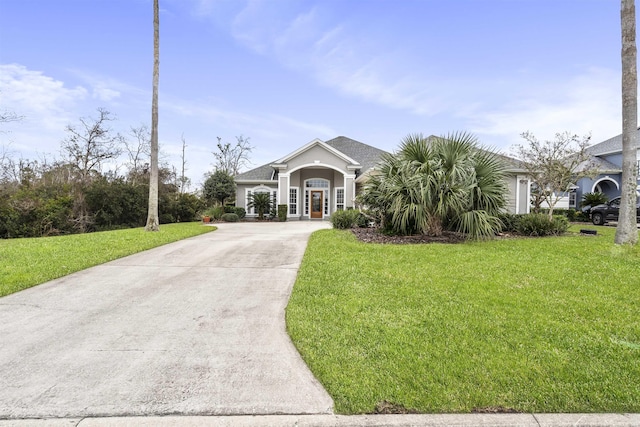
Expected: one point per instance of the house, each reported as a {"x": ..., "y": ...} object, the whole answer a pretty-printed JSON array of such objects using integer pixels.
[
  {"x": 606, "y": 157},
  {"x": 322, "y": 177}
]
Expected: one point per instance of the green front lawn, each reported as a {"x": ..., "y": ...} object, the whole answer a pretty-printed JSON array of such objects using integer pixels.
[
  {"x": 536, "y": 325},
  {"x": 28, "y": 262}
]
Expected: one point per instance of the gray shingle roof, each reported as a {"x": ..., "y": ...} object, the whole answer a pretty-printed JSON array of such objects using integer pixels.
[
  {"x": 261, "y": 173},
  {"x": 611, "y": 145},
  {"x": 364, "y": 154}
]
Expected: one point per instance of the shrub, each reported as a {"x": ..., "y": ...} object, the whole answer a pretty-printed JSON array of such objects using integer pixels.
[
  {"x": 230, "y": 217},
  {"x": 214, "y": 213},
  {"x": 229, "y": 209},
  {"x": 343, "y": 220},
  {"x": 282, "y": 213},
  {"x": 593, "y": 199},
  {"x": 362, "y": 220},
  {"x": 241, "y": 212},
  {"x": 540, "y": 225},
  {"x": 509, "y": 222},
  {"x": 217, "y": 212},
  {"x": 582, "y": 217}
]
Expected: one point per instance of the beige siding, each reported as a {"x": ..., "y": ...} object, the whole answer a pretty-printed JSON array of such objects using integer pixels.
[
  {"x": 512, "y": 183},
  {"x": 316, "y": 155}
]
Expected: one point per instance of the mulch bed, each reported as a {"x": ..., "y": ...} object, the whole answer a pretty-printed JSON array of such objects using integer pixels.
[{"x": 372, "y": 235}]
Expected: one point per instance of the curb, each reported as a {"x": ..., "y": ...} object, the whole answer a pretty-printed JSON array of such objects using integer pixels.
[{"x": 430, "y": 420}]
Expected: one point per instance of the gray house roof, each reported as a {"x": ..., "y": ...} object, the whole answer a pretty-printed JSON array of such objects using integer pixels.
[
  {"x": 261, "y": 173},
  {"x": 364, "y": 154},
  {"x": 611, "y": 145}
]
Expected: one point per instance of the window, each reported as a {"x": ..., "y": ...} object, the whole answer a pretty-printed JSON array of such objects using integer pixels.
[
  {"x": 317, "y": 183},
  {"x": 572, "y": 199},
  {"x": 261, "y": 189},
  {"x": 339, "y": 199},
  {"x": 326, "y": 202},
  {"x": 293, "y": 201}
]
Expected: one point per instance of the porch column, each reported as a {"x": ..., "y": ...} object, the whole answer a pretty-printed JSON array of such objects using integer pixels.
[
  {"x": 523, "y": 194},
  {"x": 349, "y": 190},
  {"x": 283, "y": 189}
]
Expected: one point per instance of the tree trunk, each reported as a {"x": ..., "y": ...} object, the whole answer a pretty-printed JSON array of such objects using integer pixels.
[
  {"x": 627, "y": 232},
  {"x": 153, "y": 223}
]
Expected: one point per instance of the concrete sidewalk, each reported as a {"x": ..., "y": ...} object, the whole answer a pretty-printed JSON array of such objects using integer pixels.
[
  {"x": 435, "y": 420},
  {"x": 191, "y": 328}
]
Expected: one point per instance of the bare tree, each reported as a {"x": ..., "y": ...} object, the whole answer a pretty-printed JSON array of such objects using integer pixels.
[
  {"x": 184, "y": 181},
  {"x": 231, "y": 158},
  {"x": 626, "y": 231},
  {"x": 90, "y": 144},
  {"x": 7, "y": 116},
  {"x": 153, "y": 222},
  {"x": 87, "y": 147},
  {"x": 138, "y": 151},
  {"x": 554, "y": 166}
]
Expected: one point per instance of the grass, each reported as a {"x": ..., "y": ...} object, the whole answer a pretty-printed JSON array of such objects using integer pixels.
[
  {"x": 536, "y": 325},
  {"x": 29, "y": 262}
]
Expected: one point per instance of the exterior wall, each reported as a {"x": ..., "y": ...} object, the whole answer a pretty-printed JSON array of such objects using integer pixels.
[
  {"x": 316, "y": 155},
  {"x": 607, "y": 183},
  {"x": 562, "y": 203},
  {"x": 523, "y": 202},
  {"x": 242, "y": 189},
  {"x": 512, "y": 203},
  {"x": 616, "y": 159},
  {"x": 518, "y": 194}
]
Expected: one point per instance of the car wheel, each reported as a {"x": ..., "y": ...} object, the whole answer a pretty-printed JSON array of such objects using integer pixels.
[{"x": 597, "y": 219}]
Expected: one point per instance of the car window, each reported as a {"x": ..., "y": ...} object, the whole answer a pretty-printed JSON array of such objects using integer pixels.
[{"x": 615, "y": 203}]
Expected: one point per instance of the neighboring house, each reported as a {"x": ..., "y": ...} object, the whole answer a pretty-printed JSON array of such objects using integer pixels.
[
  {"x": 606, "y": 157},
  {"x": 322, "y": 177}
]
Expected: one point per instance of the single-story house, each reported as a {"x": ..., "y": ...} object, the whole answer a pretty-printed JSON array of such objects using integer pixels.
[
  {"x": 322, "y": 177},
  {"x": 606, "y": 157}
]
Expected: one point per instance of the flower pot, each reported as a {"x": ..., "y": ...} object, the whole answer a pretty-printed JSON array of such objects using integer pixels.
[{"x": 206, "y": 219}]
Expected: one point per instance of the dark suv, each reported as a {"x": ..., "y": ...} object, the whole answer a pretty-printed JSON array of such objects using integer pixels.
[{"x": 609, "y": 211}]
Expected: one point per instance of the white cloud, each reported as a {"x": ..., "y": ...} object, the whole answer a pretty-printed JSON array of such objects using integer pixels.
[
  {"x": 352, "y": 63},
  {"x": 587, "y": 103},
  {"x": 40, "y": 98}
]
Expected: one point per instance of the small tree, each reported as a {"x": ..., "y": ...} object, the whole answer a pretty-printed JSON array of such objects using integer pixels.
[
  {"x": 138, "y": 152},
  {"x": 554, "y": 166},
  {"x": 231, "y": 159},
  {"x": 436, "y": 184},
  {"x": 87, "y": 147},
  {"x": 219, "y": 187},
  {"x": 92, "y": 143},
  {"x": 593, "y": 199},
  {"x": 261, "y": 202}
]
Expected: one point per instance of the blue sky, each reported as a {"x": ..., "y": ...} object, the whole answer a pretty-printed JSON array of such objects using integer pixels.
[{"x": 284, "y": 72}]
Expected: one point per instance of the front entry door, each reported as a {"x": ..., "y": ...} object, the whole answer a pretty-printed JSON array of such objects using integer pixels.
[{"x": 316, "y": 204}]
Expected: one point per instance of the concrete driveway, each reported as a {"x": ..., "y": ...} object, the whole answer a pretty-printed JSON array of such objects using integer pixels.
[{"x": 191, "y": 328}]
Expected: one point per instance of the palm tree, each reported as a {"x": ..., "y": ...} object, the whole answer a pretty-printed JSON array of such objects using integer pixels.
[
  {"x": 433, "y": 184},
  {"x": 153, "y": 223},
  {"x": 626, "y": 231},
  {"x": 261, "y": 202}
]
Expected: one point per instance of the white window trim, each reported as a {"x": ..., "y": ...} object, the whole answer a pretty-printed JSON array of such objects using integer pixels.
[
  {"x": 326, "y": 200},
  {"x": 297, "y": 202},
  {"x": 335, "y": 192},
  {"x": 250, "y": 212}
]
